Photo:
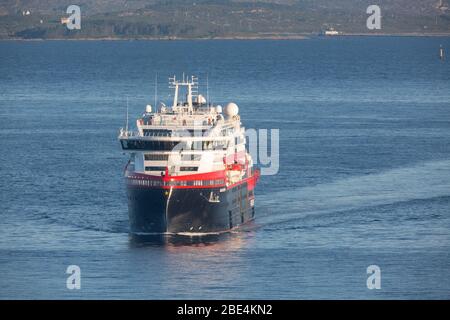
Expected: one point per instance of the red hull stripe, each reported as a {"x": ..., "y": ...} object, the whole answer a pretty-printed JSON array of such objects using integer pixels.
[
  {"x": 215, "y": 175},
  {"x": 180, "y": 187},
  {"x": 187, "y": 182}
]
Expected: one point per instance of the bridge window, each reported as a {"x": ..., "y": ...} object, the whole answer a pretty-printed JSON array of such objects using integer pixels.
[
  {"x": 157, "y": 132},
  {"x": 188, "y": 168},
  {"x": 149, "y": 145}
]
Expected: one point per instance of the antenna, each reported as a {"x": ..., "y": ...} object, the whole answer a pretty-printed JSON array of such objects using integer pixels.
[
  {"x": 156, "y": 89},
  {"x": 207, "y": 89}
]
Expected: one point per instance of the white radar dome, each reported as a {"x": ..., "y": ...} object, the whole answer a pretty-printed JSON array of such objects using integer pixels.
[
  {"x": 201, "y": 99},
  {"x": 148, "y": 108},
  {"x": 231, "y": 110},
  {"x": 219, "y": 109}
]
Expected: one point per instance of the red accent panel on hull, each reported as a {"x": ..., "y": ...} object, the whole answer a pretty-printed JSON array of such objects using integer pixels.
[
  {"x": 214, "y": 179},
  {"x": 253, "y": 180},
  {"x": 196, "y": 176},
  {"x": 210, "y": 186}
]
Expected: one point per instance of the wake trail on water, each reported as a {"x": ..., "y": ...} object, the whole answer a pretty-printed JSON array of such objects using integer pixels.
[{"x": 422, "y": 181}]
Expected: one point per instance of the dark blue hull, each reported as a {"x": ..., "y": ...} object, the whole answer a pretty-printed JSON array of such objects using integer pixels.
[{"x": 189, "y": 210}]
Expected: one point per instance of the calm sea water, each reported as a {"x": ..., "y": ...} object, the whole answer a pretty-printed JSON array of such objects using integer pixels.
[{"x": 364, "y": 169}]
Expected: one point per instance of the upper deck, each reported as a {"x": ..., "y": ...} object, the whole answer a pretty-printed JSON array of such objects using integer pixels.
[
  {"x": 188, "y": 137},
  {"x": 194, "y": 118}
]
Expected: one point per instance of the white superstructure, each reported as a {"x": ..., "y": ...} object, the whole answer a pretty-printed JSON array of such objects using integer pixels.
[{"x": 188, "y": 137}]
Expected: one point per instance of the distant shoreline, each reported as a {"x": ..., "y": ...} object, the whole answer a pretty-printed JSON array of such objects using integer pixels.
[{"x": 256, "y": 37}]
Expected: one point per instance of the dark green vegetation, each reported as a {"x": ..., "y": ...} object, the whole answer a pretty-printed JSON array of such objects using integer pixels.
[{"x": 218, "y": 18}]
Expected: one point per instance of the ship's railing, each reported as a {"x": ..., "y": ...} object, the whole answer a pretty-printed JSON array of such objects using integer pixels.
[
  {"x": 176, "y": 183},
  {"x": 180, "y": 123},
  {"x": 128, "y": 133},
  {"x": 183, "y": 119},
  {"x": 175, "y": 132},
  {"x": 162, "y": 181},
  {"x": 195, "y": 135}
]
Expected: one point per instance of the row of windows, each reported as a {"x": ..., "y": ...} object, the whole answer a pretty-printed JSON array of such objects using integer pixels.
[
  {"x": 188, "y": 168},
  {"x": 159, "y": 183},
  {"x": 155, "y": 168},
  {"x": 156, "y": 157},
  {"x": 170, "y": 133},
  {"x": 157, "y": 132},
  {"x": 152, "y": 168},
  {"x": 148, "y": 145},
  {"x": 165, "y": 157},
  {"x": 170, "y": 145}
]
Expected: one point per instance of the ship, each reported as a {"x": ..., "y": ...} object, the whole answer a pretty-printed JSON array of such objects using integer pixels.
[
  {"x": 189, "y": 171},
  {"x": 330, "y": 32}
]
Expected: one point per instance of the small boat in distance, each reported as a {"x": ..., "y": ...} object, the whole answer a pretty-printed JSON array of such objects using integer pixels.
[
  {"x": 189, "y": 171},
  {"x": 330, "y": 32}
]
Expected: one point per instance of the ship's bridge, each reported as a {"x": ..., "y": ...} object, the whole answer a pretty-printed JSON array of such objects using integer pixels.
[
  {"x": 192, "y": 120},
  {"x": 190, "y": 136}
]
